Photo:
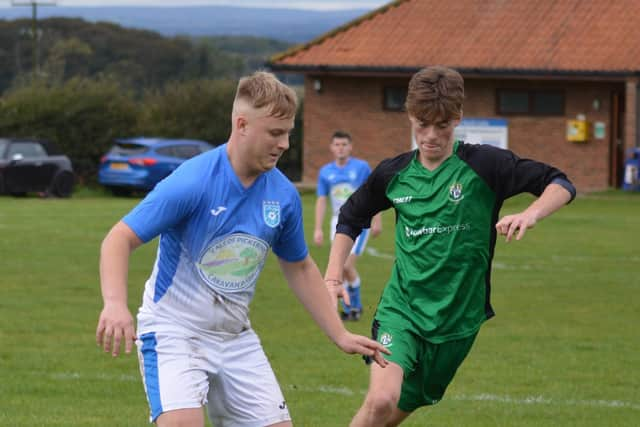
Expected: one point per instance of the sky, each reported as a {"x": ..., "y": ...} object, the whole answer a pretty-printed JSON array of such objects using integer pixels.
[{"x": 291, "y": 4}]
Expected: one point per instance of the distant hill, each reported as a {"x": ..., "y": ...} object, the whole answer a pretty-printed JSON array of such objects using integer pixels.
[{"x": 290, "y": 25}]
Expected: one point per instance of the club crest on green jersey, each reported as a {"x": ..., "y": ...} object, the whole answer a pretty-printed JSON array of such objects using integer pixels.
[
  {"x": 271, "y": 213},
  {"x": 385, "y": 339},
  {"x": 455, "y": 192}
]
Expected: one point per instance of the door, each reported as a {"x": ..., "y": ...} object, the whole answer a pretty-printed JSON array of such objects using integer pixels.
[
  {"x": 616, "y": 148},
  {"x": 29, "y": 168}
]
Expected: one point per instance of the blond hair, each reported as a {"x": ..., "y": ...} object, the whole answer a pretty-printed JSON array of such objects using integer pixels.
[
  {"x": 435, "y": 93},
  {"x": 263, "y": 90}
]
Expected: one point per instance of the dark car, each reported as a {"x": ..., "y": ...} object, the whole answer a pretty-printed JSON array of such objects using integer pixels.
[
  {"x": 28, "y": 165},
  {"x": 140, "y": 163}
]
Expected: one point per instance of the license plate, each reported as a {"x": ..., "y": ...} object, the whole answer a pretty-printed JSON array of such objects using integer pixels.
[{"x": 119, "y": 166}]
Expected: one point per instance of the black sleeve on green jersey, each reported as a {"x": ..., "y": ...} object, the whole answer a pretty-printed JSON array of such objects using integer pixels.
[
  {"x": 508, "y": 174},
  {"x": 371, "y": 197}
]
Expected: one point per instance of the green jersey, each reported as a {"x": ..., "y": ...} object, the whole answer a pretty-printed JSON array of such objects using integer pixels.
[{"x": 445, "y": 233}]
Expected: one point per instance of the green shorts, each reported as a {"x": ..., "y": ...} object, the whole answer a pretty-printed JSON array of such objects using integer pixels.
[{"x": 428, "y": 368}]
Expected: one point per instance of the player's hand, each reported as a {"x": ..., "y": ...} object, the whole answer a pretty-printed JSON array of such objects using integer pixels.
[
  {"x": 352, "y": 343},
  {"x": 516, "y": 224},
  {"x": 336, "y": 291},
  {"x": 318, "y": 237},
  {"x": 115, "y": 326}
]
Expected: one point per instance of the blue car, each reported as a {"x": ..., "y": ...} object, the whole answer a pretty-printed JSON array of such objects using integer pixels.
[{"x": 138, "y": 164}]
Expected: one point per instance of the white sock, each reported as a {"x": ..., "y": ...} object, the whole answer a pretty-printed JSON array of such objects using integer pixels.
[{"x": 355, "y": 283}]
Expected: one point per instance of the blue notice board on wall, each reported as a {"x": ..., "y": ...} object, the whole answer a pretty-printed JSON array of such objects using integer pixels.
[{"x": 483, "y": 131}]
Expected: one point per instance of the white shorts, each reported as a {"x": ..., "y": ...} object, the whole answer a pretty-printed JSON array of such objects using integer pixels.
[
  {"x": 360, "y": 242},
  {"x": 230, "y": 374}
]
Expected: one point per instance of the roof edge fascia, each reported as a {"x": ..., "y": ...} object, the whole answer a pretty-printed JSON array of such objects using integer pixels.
[{"x": 391, "y": 71}]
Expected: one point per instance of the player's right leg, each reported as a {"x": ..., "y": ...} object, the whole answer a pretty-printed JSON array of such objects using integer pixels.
[
  {"x": 175, "y": 380},
  {"x": 181, "y": 417},
  {"x": 352, "y": 286},
  {"x": 352, "y": 277}
]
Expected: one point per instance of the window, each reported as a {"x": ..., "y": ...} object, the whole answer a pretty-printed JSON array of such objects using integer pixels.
[
  {"x": 535, "y": 102},
  {"x": 3, "y": 145},
  {"x": 166, "y": 151},
  {"x": 127, "y": 149},
  {"x": 26, "y": 150},
  {"x": 549, "y": 103},
  {"x": 394, "y": 98},
  {"x": 185, "y": 151}
]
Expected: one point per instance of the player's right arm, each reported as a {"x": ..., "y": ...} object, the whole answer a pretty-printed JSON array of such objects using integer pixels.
[
  {"x": 321, "y": 208},
  {"x": 356, "y": 214},
  {"x": 115, "y": 324},
  {"x": 305, "y": 281}
]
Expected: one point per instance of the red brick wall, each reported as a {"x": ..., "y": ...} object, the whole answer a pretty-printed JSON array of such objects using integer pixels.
[{"x": 355, "y": 105}]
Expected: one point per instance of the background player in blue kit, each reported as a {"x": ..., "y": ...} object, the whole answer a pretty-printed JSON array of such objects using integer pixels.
[
  {"x": 217, "y": 217},
  {"x": 337, "y": 180}
]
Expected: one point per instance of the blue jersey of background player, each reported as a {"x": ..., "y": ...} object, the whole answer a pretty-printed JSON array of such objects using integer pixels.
[
  {"x": 217, "y": 216},
  {"x": 337, "y": 181}
]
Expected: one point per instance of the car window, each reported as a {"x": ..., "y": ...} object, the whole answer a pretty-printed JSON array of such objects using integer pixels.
[
  {"x": 3, "y": 146},
  {"x": 128, "y": 149},
  {"x": 186, "y": 151},
  {"x": 165, "y": 151},
  {"x": 26, "y": 149}
]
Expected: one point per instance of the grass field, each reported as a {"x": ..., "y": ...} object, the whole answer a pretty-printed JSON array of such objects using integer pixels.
[{"x": 563, "y": 350}]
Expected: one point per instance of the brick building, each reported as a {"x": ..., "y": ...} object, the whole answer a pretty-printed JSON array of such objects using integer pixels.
[{"x": 540, "y": 69}]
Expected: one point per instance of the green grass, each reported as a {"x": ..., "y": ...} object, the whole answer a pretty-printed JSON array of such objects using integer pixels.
[{"x": 563, "y": 349}]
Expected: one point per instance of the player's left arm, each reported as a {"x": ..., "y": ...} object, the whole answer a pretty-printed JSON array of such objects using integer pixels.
[
  {"x": 307, "y": 284},
  {"x": 553, "y": 198}
]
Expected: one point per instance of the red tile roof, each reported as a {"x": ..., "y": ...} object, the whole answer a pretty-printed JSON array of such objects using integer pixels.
[{"x": 539, "y": 35}]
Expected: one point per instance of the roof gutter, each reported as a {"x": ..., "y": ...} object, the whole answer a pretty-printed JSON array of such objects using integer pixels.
[{"x": 468, "y": 72}]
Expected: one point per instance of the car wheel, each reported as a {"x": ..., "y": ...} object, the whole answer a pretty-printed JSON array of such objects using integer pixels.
[{"x": 62, "y": 185}]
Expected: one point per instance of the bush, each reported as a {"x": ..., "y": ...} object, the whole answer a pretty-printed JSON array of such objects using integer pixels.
[{"x": 198, "y": 109}]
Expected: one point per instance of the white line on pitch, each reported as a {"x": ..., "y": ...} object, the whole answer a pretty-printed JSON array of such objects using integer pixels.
[
  {"x": 345, "y": 391},
  {"x": 529, "y": 400}
]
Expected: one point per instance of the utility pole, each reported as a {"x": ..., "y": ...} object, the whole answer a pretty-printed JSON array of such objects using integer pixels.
[{"x": 34, "y": 26}]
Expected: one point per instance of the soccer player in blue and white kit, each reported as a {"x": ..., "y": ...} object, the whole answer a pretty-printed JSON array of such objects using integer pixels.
[
  {"x": 217, "y": 216},
  {"x": 337, "y": 180}
]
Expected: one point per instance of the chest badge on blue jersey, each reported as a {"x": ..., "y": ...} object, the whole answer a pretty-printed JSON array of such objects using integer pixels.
[
  {"x": 271, "y": 213},
  {"x": 455, "y": 192}
]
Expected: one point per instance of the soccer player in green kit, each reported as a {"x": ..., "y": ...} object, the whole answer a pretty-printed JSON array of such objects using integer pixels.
[{"x": 447, "y": 197}]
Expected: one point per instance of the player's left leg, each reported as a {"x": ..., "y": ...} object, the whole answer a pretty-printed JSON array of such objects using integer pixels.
[
  {"x": 246, "y": 392},
  {"x": 382, "y": 397},
  {"x": 397, "y": 416},
  {"x": 426, "y": 384}
]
